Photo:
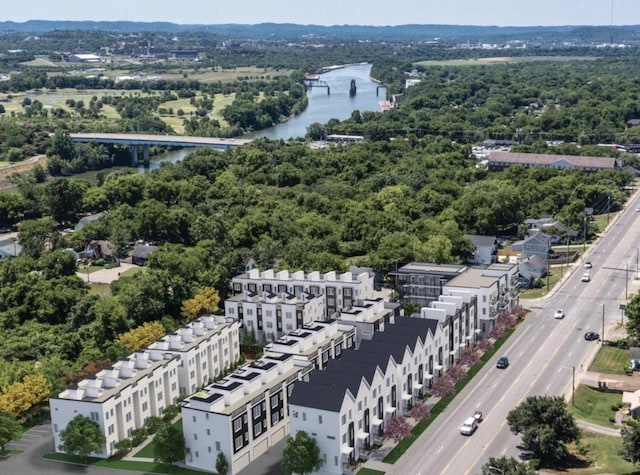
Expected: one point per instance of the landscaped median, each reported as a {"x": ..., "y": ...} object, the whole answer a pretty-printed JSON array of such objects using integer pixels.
[{"x": 404, "y": 444}]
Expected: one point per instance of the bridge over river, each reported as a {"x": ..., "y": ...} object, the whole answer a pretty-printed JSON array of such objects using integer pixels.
[{"x": 134, "y": 141}]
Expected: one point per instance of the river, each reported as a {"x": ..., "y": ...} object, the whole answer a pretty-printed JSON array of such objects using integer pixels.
[{"x": 321, "y": 108}]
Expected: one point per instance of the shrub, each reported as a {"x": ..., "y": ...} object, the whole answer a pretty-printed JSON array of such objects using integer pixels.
[
  {"x": 123, "y": 447},
  {"x": 138, "y": 436},
  {"x": 170, "y": 412},
  {"x": 152, "y": 424}
]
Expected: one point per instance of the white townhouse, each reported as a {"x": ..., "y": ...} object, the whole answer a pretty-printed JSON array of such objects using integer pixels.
[
  {"x": 369, "y": 316},
  {"x": 119, "y": 398},
  {"x": 338, "y": 290},
  {"x": 458, "y": 317},
  {"x": 268, "y": 314},
  {"x": 241, "y": 415},
  {"x": 206, "y": 347},
  {"x": 495, "y": 287},
  {"x": 316, "y": 343},
  {"x": 346, "y": 406}
]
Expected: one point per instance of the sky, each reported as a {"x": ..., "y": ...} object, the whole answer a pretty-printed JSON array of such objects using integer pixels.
[{"x": 334, "y": 12}]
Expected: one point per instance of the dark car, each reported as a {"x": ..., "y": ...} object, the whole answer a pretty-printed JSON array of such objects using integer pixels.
[
  {"x": 590, "y": 336},
  {"x": 503, "y": 362}
]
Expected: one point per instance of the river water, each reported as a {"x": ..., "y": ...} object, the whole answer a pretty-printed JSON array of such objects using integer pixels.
[{"x": 322, "y": 107}]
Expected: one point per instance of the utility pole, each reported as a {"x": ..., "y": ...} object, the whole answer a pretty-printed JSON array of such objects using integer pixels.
[
  {"x": 584, "y": 243},
  {"x": 608, "y": 207},
  {"x": 602, "y": 340},
  {"x": 626, "y": 281},
  {"x": 573, "y": 388}
]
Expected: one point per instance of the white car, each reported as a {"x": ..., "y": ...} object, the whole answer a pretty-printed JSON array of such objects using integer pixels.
[
  {"x": 586, "y": 277},
  {"x": 587, "y": 265},
  {"x": 559, "y": 313},
  {"x": 469, "y": 426}
]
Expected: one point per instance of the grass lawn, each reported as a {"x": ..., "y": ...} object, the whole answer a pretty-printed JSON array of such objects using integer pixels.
[
  {"x": 594, "y": 406},
  {"x": 370, "y": 471},
  {"x": 6, "y": 453},
  {"x": 498, "y": 60},
  {"x": 117, "y": 464},
  {"x": 554, "y": 278},
  {"x": 147, "y": 450},
  {"x": 610, "y": 359},
  {"x": 132, "y": 271},
  {"x": 603, "y": 457},
  {"x": 99, "y": 289}
]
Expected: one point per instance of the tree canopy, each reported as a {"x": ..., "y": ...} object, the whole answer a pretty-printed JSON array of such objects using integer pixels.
[
  {"x": 81, "y": 437},
  {"x": 301, "y": 455}
]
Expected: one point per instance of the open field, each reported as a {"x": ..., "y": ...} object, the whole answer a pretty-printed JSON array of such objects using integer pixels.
[{"x": 500, "y": 60}]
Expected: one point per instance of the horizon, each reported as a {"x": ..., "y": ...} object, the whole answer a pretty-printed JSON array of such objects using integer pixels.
[{"x": 497, "y": 13}]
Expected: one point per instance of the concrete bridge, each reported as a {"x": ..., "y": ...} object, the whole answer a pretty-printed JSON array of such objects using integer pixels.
[{"x": 134, "y": 141}]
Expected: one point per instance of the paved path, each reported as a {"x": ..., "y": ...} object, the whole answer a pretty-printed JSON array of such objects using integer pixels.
[{"x": 590, "y": 426}]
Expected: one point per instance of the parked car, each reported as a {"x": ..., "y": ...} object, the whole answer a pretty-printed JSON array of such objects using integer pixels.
[
  {"x": 5, "y": 230},
  {"x": 587, "y": 265},
  {"x": 590, "y": 336},
  {"x": 586, "y": 277},
  {"x": 559, "y": 313},
  {"x": 469, "y": 426},
  {"x": 502, "y": 363}
]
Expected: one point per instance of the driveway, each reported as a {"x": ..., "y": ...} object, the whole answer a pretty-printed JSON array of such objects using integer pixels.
[
  {"x": 105, "y": 276},
  {"x": 36, "y": 442}
]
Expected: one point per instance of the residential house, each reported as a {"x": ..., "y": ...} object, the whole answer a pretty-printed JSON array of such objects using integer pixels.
[
  {"x": 141, "y": 253},
  {"x": 9, "y": 247},
  {"x": 634, "y": 358},
  {"x": 92, "y": 218},
  {"x": 530, "y": 270},
  {"x": 100, "y": 249},
  {"x": 537, "y": 244},
  {"x": 485, "y": 249}
]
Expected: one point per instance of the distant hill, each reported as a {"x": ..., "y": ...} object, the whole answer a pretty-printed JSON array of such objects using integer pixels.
[{"x": 292, "y": 31}]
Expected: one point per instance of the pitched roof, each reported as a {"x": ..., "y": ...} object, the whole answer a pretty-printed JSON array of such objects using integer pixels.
[
  {"x": 327, "y": 389},
  {"x": 143, "y": 250},
  {"x": 479, "y": 240},
  {"x": 540, "y": 159}
]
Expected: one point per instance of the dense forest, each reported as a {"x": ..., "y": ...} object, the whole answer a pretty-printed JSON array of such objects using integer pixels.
[{"x": 410, "y": 191}]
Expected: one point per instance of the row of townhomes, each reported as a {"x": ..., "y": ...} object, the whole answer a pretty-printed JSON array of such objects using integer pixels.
[
  {"x": 120, "y": 398},
  {"x": 338, "y": 362}
]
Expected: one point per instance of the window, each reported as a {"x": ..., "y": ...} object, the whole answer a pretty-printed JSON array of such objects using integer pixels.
[
  {"x": 208, "y": 431},
  {"x": 237, "y": 425},
  {"x": 55, "y": 427},
  {"x": 274, "y": 401},
  {"x": 217, "y": 446},
  {"x": 195, "y": 436},
  {"x": 344, "y": 419},
  {"x": 256, "y": 411},
  {"x": 319, "y": 419},
  {"x": 257, "y": 429},
  {"x": 288, "y": 315},
  {"x": 304, "y": 416},
  {"x": 128, "y": 416},
  {"x": 269, "y": 325},
  {"x": 209, "y": 449},
  {"x": 249, "y": 312},
  {"x": 359, "y": 405},
  {"x": 194, "y": 418},
  {"x": 237, "y": 444},
  {"x": 275, "y": 418},
  {"x": 269, "y": 313},
  {"x": 335, "y": 460},
  {"x": 145, "y": 405}
]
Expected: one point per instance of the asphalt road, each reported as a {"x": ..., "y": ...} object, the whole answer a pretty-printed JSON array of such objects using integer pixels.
[{"x": 544, "y": 353}]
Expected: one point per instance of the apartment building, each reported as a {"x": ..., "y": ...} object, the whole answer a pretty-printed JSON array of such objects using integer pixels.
[
  {"x": 458, "y": 316},
  {"x": 269, "y": 315},
  {"x": 346, "y": 406},
  {"x": 337, "y": 290},
  {"x": 119, "y": 398},
  {"x": 206, "y": 347},
  {"x": 241, "y": 415},
  {"x": 495, "y": 288},
  {"x": 421, "y": 282}
]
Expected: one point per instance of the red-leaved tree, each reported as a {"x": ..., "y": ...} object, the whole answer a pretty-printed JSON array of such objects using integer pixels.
[
  {"x": 443, "y": 386},
  {"x": 457, "y": 372},
  {"x": 397, "y": 428},
  {"x": 469, "y": 356},
  {"x": 419, "y": 412},
  {"x": 485, "y": 345}
]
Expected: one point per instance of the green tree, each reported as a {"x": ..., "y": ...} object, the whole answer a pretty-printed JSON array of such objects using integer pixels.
[
  {"x": 36, "y": 235},
  {"x": 10, "y": 429},
  {"x": 169, "y": 444},
  {"x": 222, "y": 466},
  {"x": 630, "y": 449},
  {"x": 506, "y": 466},
  {"x": 546, "y": 426},
  {"x": 301, "y": 455},
  {"x": 81, "y": 437},
  {"x": 64, "y": 199},
  {"x": 632, "y": 312}
]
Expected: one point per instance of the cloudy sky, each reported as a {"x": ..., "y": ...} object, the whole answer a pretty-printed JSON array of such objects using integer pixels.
[{"x": 334, "y": 12}]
